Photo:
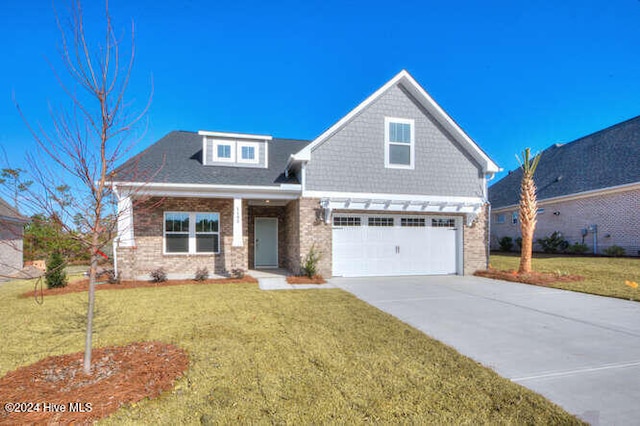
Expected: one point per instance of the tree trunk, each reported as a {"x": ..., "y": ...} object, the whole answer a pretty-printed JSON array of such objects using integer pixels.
[{"x": 92, "y": 295}]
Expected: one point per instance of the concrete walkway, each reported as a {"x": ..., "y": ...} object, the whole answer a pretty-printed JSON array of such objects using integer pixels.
[
  {"x": 276, "y": 279},
  {"x": 578, "y": 350}
]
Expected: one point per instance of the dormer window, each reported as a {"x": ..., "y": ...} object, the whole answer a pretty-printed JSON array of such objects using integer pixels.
[
  {"x": 247, "y": 152},
  {"x": 223, "y": 151},
  {"x": 399, "y": 141},
  {"x": 235, "y": 149}
]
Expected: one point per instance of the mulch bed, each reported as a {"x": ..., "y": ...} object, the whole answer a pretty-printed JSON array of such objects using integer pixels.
[
  {"x": 535, "y": 278},
  {"x": 83, "y": 285},
  {"x": 303, "y": 279},
  {"x": 56, "y": 390}
]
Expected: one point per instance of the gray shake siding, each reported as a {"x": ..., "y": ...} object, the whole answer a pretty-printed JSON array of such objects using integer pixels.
[{"x": 352, "y": 160}]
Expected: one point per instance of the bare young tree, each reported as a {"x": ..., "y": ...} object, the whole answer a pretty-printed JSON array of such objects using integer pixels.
[{"x": 87, "y": 140}]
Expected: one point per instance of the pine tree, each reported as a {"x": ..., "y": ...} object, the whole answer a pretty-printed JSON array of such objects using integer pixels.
[{"x": 55, "y": 275}]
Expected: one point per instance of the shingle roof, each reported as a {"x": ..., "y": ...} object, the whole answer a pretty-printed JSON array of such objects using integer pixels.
[
  {"x": 8, "y": 212},
  {"x": 177, "y": 158},
  {"x": 608, "y": 158}
]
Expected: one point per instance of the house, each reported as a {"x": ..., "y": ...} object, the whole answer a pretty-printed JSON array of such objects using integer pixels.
[
  {"x": 11, "y": 240},
  {"x": 395, "y": 187},
  {"x": 588, "y": 190}
]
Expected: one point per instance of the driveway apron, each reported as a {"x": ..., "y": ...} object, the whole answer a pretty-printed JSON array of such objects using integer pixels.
[{"x": 578, "y": 350}]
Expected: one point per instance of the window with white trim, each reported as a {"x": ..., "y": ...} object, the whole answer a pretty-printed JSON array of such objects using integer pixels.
[
  {"x": 191, "y": 233},
  {"x": 224, "y": 151},
  {"x": 247, "y": 152},
  {"x": 399, "y": 141},
  {"x": 514, "y": 218},
  {"x": 500, "y": 218}
]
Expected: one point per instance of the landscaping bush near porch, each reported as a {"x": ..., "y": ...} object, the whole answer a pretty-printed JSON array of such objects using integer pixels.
[
  {"x": 296, "y": 357},
  {"x": 602, "y": 275}
]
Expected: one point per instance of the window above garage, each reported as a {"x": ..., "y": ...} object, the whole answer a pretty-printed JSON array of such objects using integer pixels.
[{"x": 399, "y": 143}]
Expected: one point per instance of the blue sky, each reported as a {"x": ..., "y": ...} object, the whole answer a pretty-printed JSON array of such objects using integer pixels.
[{"x": 512, "y": 73}]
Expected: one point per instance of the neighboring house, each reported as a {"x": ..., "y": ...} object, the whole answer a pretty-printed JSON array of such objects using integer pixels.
[
  {"x": 393, "y": 188},
  {"x": 588, "y": 190},
  {"x": 11, "y": 243}
]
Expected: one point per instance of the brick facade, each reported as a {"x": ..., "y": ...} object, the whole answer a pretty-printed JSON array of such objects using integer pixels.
[
  {"x": 301, "y": 226},
  {"x": 147, "y": 255},
  {"x": 314, "y": 232},
  {"x": 617, "y": 216},
  {"x": 475, "y": 246}
]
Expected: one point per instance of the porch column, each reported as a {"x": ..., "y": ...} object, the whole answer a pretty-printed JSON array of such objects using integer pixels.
[
  {"x": 237, "y": 222},
  {"x": 125, "y": 222}
]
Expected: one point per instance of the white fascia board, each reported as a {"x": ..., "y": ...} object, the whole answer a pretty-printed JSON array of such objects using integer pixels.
[
  {"x": 285, "y": 191},
  {"x": 305, "y": 153},
  {"x": 235, "y": 135},
  {"x": 578, "y": 195},
  {"x": 430, "y": 104},
  {"x": 393, "y": 198},
  {"x": 14, "y": 219}
]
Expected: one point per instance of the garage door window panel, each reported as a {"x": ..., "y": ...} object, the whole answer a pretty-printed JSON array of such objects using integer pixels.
[
  {"x": 347, "y": 221},
  {"x": 380, "y": 221},
  {"x": 413, "y": 222}
]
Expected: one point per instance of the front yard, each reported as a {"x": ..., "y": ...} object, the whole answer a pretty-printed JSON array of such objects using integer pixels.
[
  {"x": 314, "y": 356},
  {"x": 604, "y": 276}
]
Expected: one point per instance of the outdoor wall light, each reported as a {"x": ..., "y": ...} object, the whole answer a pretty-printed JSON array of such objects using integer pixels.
[{"x": 556, "y": 213}]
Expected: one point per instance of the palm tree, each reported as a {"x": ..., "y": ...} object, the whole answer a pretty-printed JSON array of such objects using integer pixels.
[{"x": 528, "y": 208}]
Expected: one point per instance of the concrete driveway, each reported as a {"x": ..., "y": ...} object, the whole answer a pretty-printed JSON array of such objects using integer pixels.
[{"x": 578, "y": 350}]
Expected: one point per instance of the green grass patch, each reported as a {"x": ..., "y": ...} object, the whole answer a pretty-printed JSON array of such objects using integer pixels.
[
  {"x": 313, "y": 356},
  {"x": 604, "y": 276}
]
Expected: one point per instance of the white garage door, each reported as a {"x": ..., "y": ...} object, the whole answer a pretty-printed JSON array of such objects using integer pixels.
[{"x": 370, "y": 245}]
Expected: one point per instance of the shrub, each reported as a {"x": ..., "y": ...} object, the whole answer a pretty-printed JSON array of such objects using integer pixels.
[
  {"x": 519, "y": 243},
  {"x": 506, "y": 243},
  {"x": 201, "y": 274},
  {"x": 578, "y": 248},
  {"x": 310, "y": 263},
  {"x": 55, "y": 276},
  {"x": 237, "y": 273},
  {"x": 554, "y": 243},
  {"x": 615, "y": 251},
  {"x": 158, "y": 275}
]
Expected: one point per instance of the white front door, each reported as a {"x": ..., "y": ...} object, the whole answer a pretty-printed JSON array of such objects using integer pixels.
[{"x": 266, "y": 242}]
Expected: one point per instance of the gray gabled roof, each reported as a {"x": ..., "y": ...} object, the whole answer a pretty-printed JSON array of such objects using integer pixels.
[
  {"x": 177, "y": 158},
  {"x": 9, "y": 213},
  {"x": 608, "y": 158}
]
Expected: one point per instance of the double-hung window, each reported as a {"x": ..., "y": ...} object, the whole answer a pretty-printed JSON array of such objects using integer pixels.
[
  {"x": 224, "y": 151},
  {"x": 247, "y": 152},
  {"x": 399, "y": 140},
  {"x": 191, "y": 233},
  {"x": 176, "y": 232}
]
